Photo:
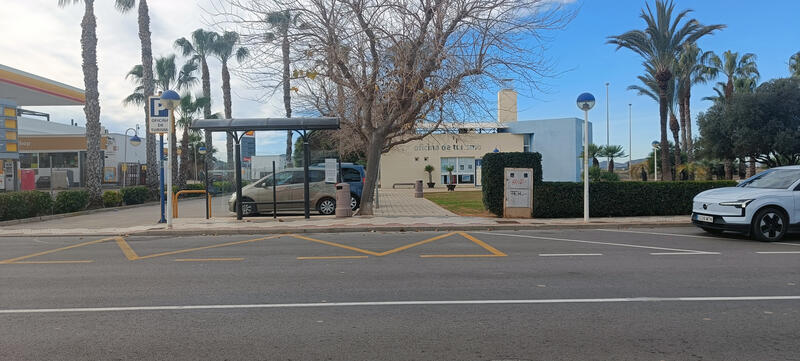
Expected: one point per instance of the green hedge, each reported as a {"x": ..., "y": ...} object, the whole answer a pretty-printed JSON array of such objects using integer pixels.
[
  {"x": 18, "y": 205},
  {"x": 224, "y": 186},
  {"x": 618, "y": 199},
  {"x": 135, "y": 195},
  {"x": 71, "y": 201},
  {"x": 492, "y": 175},
  {"x": 111, "y": 199}
]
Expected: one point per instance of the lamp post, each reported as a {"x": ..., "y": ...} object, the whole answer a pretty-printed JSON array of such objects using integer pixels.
[
  {"x": 655, "y": 145},
  {"x": 585, "y": 102},
  {"x": 202, "y": 150},
  {"x": 135, "y": 141},
  {"x": 170, "y": 99}
]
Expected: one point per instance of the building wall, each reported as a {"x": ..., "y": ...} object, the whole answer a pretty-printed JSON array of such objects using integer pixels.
[
  {"x": 560, "y": 142},
  {"x": 406, "y": 163},
  {"x": 263, "y": 164}
]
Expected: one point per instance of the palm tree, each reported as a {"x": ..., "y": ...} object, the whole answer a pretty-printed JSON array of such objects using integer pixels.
[
  {"x": 147, "y": 81},
  {"x": 199, "y": 48},
  {"x": 691, "y": 70},
  {"x": 223, "y": 48},
  {"x": 742, "y": 74},
  {"x": 794, "y": 65},
  {"x": 650, "y": 88},
  {"x": 594, "y": 152},
  {"x": 94, "y": 160},
  {"x": 187, "y": 112},
  {"x": 659, "y": 45},
  {"x": 611, "y": 152}
]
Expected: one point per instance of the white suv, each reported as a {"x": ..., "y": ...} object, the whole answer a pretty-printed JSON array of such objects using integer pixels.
[{"x": 765, "y": 206}]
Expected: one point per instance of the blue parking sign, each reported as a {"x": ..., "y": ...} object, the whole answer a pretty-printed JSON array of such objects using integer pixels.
[{"x": 158, "y": 116}]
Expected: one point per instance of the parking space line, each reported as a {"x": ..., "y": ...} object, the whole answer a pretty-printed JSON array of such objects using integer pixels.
[
  {"x": 655, "y": 233},
  {"x": 208, "y": 247},
  {"x": 206, "y": 259},
  {"x": 13, "y": 260},
  {"x": 334, "y": 244},
  {"x": 483, "y": 244},
  {"x": 332, "y": 257},
  {"x": 48, "y": 262},
  {"x": 786, "y": 252},
  {"x": 429, "y": 240},
  {"x": 458, "y": 256},
  {"x": 568, "y": 254},
  {"x": 683, "y": 253},
  {"x": 129, "y": 253},
  {"x": 788, "y": 244},
  {"x": 687, "y": 251}
]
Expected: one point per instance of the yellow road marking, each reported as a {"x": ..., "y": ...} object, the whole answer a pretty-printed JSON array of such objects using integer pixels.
[
  {"x": 333, "y": 257},
  {"x": 459, "y": 256},
  {"x": 208, "y": 247},
  {"x": 207, "y": 259},
  {"x": 48, "y": 262},
  {"x": 494, "y": 251},
  {"x": 13, "y": 260},
  {"x": 126, "y": 249},
  {"x": 334, "y": 244},
  {"x": 483, "y": 244},
  {"x": 403, "y": 248}
]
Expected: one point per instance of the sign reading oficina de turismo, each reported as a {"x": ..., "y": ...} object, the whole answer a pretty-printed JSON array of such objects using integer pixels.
[{"x": 158, "y": 116}]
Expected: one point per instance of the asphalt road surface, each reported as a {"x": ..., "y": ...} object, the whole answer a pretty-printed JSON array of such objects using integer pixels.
[{"x": 643, "y": 294}]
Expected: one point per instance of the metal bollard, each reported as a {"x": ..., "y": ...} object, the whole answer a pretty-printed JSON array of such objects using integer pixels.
[
  {"x": 418, "y": 189},
  {"x": 343, "y": 201}
]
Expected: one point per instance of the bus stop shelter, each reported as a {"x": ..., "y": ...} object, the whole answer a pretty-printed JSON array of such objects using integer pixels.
[{"x": 237, "y": 128}]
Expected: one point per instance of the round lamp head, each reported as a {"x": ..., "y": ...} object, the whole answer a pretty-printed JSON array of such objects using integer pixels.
[
  {"x": 585, "y": 101},
  {"x": 201, "y": 150},
  {"x": 656, "y": 144},
  {"x": 171, "y": 99},
  {"x": 135, "y": 140}
]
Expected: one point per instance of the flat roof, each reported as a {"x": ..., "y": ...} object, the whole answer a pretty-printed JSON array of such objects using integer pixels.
[
  {"x": 247, "y": 124},
  {"x": 26, "y": 89}
]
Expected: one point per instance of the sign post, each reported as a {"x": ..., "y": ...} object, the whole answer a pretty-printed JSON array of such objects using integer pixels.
[
  {"x": 518, "y": 199},
  {"x": 158, "y": 121}
]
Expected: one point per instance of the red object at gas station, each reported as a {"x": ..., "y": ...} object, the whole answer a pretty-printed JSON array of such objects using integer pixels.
[{"x": 27, "y": 180}]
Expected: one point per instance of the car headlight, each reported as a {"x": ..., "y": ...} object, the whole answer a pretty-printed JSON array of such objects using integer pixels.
[{"x": 742, "y": 203}]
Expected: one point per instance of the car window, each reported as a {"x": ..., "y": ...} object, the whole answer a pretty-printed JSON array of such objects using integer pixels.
[
  {"x": 774, "y": 179},
  {"x": 351, "y": 175},
  {"x": 314, "y": 176},
  {"x": 281, "y": 178}
]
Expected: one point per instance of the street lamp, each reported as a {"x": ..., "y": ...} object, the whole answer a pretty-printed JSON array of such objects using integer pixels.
[
  {"x": 135, "y": 141},
  {"x": 170, "y": 99},
  {"x": 656, "y": 144},
  {"x": 202, "y": 150},
  {"x": 585, "y": 102}
]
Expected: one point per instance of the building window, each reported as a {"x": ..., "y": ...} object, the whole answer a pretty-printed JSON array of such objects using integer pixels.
[
  {"x": 463, "y": 170},
  {"x": 60, "y": 160},
  {"x": 29, "y": 160},
  {"x": 527, "y": 145}
]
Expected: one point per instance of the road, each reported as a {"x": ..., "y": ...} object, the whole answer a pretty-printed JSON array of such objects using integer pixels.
[{"x": 641, "y": 294}]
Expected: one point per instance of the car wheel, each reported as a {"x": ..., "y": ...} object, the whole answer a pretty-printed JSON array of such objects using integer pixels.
[
  {"x": 713, "y": 231},
  {"x": 354, "y": 202},
  {"x": 249, "y": 207},
  {"x": 327, "y": 206},
  {"x": 769, "y": 225}
]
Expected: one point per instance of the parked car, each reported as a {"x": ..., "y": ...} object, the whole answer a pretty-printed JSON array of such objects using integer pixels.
[
  {"x": 765, "y": 206},
  {"x": 354, "y": 175},
  {"x": 257, "y": 196}
]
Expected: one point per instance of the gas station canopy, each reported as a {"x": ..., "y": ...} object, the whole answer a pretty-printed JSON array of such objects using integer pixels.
[
  {"x": 248, "y": 124},
  {"x": 26, "y": 89}
]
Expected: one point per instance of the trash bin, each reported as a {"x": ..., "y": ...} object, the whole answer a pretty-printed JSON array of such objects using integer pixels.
[
  {"x": 418, "y": 189},
  {"x": 343, "y": 201}
]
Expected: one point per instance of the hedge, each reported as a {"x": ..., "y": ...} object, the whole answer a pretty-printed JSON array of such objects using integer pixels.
[
  {"x": 111, "y": 199},
  {"x": 135, "y": 195},
  {"x": 492, "y": 175},
  {"x": 618, "y": 199},
  {"x": 71, "y": 201},
  {"x": 18, "y": 205}
]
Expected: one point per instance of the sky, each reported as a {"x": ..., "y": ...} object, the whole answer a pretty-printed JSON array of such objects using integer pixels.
[{"x": 581, "y": 60}]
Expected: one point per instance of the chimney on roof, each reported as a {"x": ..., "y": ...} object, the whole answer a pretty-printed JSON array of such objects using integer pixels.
[{"x": 507, "y": 102}]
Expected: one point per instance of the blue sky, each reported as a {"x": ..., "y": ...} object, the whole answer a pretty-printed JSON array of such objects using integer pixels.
[{"x": 581, "y": 59}]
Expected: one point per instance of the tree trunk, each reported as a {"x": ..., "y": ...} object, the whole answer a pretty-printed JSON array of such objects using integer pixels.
[
  {"x": 94, "y": 160},
  {"x": 226, "y": 101},
  {"x": 595, "y": 162},
  {"x": 682, "y": 116},
  {"x": 611, "y": 165},
  {"x": 689, "y": 123},
  {"x": 728, "y": 169},
  {"x": 675, "y": 128},
  {"x": 287, "y": 90},
  {"x": 751, "y": 170},
  {"x": 148, "y": 85},
  {"x": 184, "y": 166},
  {"x": 373, "y": 163},
  {"x": 207, "y": 108},
  {"x": 666, "y": 174}
]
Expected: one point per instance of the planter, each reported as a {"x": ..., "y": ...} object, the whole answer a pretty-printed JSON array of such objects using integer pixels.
[
  {"x": 451, "y": 187},
  {"x": 431, "y": 184}
]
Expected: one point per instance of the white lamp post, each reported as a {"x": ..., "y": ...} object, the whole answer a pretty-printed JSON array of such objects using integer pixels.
[
  {"x": 655, "y": 145},
  {"x": 585, "y": 103},
  {"x": 135, "y": 141},
  {"x": 170, "y": 99}
]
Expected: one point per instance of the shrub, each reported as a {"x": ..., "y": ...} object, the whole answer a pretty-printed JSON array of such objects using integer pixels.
[
  {"x": 111, "y": 199},
  {"x": 71, "y": 201},
  {"x": 18, "y": 205},
  {"x": 492, "y": 175},
  {"x": 618, "y": 199},
  {"x": 598, "y": 175},
  {"x": 134, "y": 195},
  {"x": 224, "y": 187}
]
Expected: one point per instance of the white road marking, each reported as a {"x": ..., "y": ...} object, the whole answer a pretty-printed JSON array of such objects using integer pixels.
[
  {"x": 681, "y": 253},
  {"x": 788, "y": 244},
  {"x": 656, "y": 233},
  {"x": 786, "y": 252},
  {"x": 400, "y": 303},
  {"x": 687, "y": 251},
  {"x": 568, "y": 254}
]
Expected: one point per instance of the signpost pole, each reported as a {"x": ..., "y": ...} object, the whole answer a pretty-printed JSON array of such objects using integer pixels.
[
  {"x": 306, "y": 161},
  {"x": 169, "y": 173},
  {"x": 161, "y": 173},
  {"x": 274, "y": 193}
]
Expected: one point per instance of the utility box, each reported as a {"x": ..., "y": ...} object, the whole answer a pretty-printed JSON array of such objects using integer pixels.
[
  {"x": 518, "y": 198},
  {"x": 343, "y": 208},
  {"x": 418, "y": 189}
]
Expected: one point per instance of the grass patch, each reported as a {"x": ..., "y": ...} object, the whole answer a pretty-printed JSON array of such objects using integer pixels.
[{"x": 462, "y": 203}]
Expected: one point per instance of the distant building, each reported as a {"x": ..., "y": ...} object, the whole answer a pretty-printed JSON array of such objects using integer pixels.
[{"x": 261, "y": 165}]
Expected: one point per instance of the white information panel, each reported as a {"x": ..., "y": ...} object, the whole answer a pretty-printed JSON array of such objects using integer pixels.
[
  {"x": 518, "y": 192},
  {"x": 330, "y": 170},
  {"x": 158, "y": 117}
]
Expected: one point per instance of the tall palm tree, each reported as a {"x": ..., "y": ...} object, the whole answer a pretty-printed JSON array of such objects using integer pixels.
[
  {"x": 199, "y": 48},
  {"x": 742, "y": 74},
  {"x": 224, "y": 48},
  {"x": 659, "y": 45},
  {"x": 282, "y": 22},
  {"x": 94, "y": 160},
  {"x": 594, "y": 152},
  {"x": 794, "y": 65},
  {"x": 650, "y": 88},
  {"x": 691, "y": 70},
  {"x": 147, "y": 81},
  {"x": 187, "y": 112}
]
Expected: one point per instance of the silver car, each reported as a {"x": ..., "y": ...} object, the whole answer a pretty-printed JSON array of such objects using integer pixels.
[{"x": 257, "y": 196}]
